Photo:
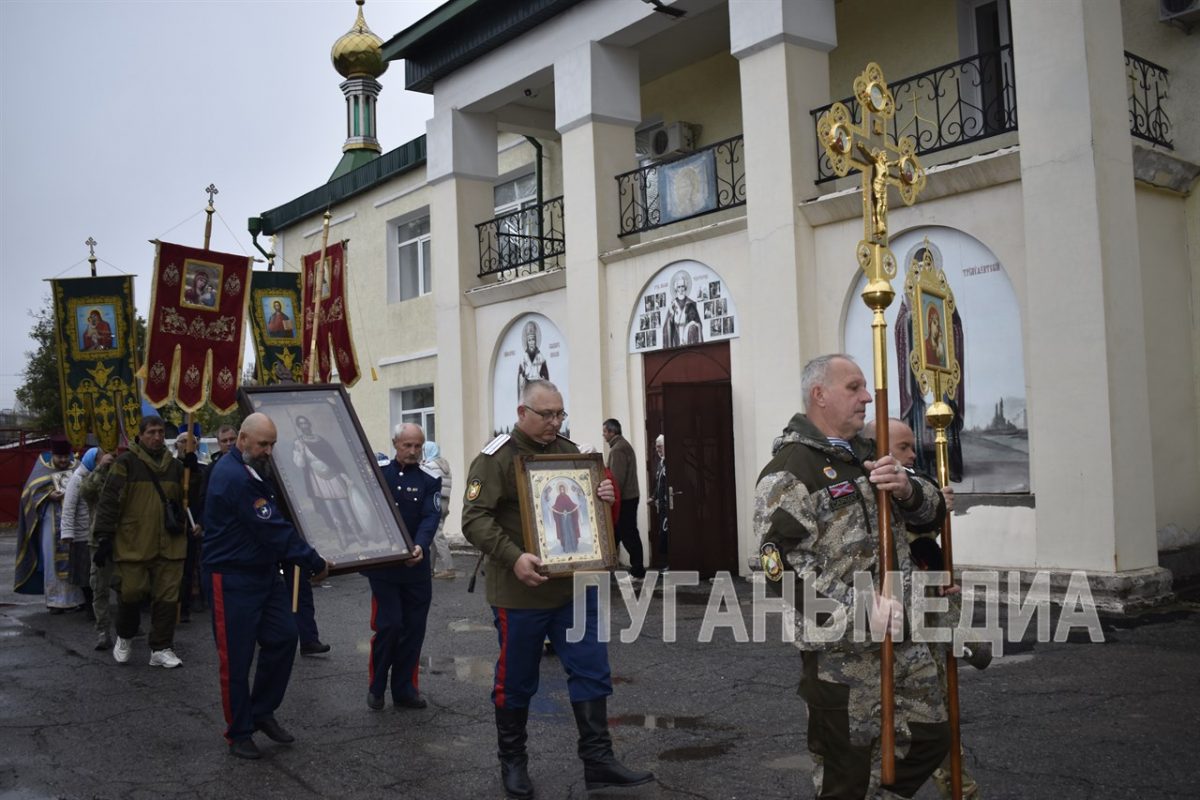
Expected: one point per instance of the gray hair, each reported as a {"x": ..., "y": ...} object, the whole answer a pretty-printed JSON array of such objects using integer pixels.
[
  {"x": 816, "y": 373},
  {"x": 533, "y": 385},
  {"x": 399, "y": 430}
]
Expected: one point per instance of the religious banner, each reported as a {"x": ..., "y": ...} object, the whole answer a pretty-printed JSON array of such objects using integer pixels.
[
  {"x": 97, "y": 347},
  {"x": 198, "y": 307},
  {"x": 686, "y": 303},
  {"x": 333, "y": 319},
  {"x": 274, "y": 321}
]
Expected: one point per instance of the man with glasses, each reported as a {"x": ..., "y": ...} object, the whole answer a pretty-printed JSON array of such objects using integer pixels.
[{"x": 528, "y": 608}]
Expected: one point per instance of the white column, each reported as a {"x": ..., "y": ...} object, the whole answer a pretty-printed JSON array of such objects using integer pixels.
[
  {"x": 597, "y": 106},
  {"x": 1089, "y": 427},
  {"x": 461, "y": 173},
  {"x": 782, "y": 47}
]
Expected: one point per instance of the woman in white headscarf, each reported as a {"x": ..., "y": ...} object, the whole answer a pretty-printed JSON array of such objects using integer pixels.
[{"x": 437, "y": 466}]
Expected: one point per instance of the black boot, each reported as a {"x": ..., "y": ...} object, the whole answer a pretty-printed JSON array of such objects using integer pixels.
[
  {"x": 514, "y": 763},
  {"x": 600, "y": 767}
]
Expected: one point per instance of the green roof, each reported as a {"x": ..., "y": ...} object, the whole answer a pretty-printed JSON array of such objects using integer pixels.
[
  {"x": 457, "y": 33},
  {"x": 404, "y": 158}
]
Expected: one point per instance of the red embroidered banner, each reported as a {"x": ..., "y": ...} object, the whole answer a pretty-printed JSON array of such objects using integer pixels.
[
  {"x": 198, "y": 307},
  {"x": 333, "y": 322}
]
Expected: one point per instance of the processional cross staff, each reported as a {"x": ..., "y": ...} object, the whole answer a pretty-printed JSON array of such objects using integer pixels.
[
  {"x": 882, "y": 162},
  {"x": 938, "y": 372}
]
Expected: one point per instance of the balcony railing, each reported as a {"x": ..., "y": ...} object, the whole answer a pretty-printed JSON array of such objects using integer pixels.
[
  {"x": 968, "y": 100},
  {"x": 1147, "y": 89},
  {"x": 509, "y": 245},
  {"x": 690, "y": 186}
]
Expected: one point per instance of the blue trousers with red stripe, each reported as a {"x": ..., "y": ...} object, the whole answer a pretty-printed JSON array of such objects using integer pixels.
[
  {"x": 399, "y": 610},
  {"x": 522, "y": 632},
  {"x": 249, "y": 609}
]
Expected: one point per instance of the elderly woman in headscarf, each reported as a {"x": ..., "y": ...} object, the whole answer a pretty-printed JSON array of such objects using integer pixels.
[{"x": 437, "y": 466}]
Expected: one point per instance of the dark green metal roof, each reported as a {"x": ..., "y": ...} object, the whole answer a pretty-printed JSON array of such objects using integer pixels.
[
  {"x": 461, "y": 31},
  {"x": 406, "y": 157},
  {"x": 352, "y": 160}
]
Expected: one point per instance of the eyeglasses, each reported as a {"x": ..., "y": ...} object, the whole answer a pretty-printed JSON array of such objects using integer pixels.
[{"x": 549, "y": 416}]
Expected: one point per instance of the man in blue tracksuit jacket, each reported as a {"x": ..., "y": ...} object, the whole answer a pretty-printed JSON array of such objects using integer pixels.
[
  {"x": 400, "y": 595},
  {"x": 245, "y": 538}
]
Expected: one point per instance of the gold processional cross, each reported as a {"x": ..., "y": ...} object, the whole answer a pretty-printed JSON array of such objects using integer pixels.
[{"x": 866, "y": 147}]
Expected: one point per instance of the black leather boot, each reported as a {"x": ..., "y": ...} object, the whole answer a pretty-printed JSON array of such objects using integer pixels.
[
  {"x": 514, "y": 762},
  {"x": 600, "y": 767}
]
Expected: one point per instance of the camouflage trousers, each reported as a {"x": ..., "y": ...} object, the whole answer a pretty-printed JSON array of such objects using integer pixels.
[{"x": 842, "y": 693}]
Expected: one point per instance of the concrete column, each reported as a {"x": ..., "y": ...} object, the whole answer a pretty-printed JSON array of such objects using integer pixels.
[
  {"x": 597, "y": 106},
  {"x": 461, "y": 173},
  {"x": 1089, "y": 427},
  {"x": 782, "y": 47}
]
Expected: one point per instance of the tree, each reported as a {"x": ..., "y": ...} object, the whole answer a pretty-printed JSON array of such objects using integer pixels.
[{"x": 41, "y": 393}]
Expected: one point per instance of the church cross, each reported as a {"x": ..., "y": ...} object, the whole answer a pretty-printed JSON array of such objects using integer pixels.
[
  {"x": 91, "y": 245},
  {"x": 212, "y": 190}
]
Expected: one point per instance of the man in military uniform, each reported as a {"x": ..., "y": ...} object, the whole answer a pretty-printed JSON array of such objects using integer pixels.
[
  {"x": 401, "y": 595},
  {"x": 131, "y": 530},
  {"x": 528, "y": 607},
  {"x": 245, "y": 538},
  {"x": 815, "y": 513}
]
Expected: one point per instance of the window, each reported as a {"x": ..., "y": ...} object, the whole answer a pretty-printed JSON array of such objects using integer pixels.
[
  {"x": 518, "y": 233},
  {"x": 414, "y": 404},
  {"x": 413, "y": 276}
]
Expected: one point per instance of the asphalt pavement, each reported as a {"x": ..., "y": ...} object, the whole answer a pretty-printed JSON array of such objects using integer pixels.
[{"x": 715, "y": 720}]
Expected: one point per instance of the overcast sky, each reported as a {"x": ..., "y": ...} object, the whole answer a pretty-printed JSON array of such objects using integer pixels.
[{"x": 114, "y": 117}]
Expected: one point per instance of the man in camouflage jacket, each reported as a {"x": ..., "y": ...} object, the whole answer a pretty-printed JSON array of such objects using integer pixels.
[{"x": 815, "y": 515}]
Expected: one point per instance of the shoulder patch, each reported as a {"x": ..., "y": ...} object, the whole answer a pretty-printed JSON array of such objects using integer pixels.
[
  {"x": 495, "y": 444},
  {"x": 772, "y": 561},
  {"x": 474, "y": 488},
  {"x": 433, "y": 472},
  {"x": 262, "y": 508}
]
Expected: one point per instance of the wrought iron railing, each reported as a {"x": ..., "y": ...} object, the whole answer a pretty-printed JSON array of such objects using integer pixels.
[
  {"x": 1147, "y": 89},
  {"x": 708, "y": 180},
  {"x": 971, "y": 99},
  {"x": 509, "y": 245}
]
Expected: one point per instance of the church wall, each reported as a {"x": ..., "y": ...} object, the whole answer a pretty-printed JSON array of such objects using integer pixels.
[
  {"x": 884, "y": 32},
  {"x": 1170, "y": 358},
  {"x": 717, "y": 110}
]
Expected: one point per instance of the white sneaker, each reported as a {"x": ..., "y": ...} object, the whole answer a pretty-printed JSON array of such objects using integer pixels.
[
  {"x": 164, "y": 658},
  {"x": 122, "y": 649}
]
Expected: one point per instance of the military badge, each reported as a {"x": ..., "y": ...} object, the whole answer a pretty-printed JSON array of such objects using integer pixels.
[
  {"x": 842, "y": 494},
  {"x": 830, "y": 472},
  {"x": 262, "y": 508},
  {"x": 473, "y": 489},
  {"x": 772, "y": 561}
]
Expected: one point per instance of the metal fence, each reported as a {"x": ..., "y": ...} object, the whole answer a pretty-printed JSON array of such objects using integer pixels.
[
  {"x": 509, "y": 245},
  {"x": 1148, "y": 85}
]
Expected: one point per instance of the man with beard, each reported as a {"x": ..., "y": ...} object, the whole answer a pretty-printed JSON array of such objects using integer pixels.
[
  {"x": 245, "y": 538},
  {"x": 43, "y": 557},
  {"x": 131, "y": 530},
  {"x": 683, "y": 325}
]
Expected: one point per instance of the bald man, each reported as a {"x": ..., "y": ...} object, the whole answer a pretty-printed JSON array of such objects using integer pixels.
[{"x": 245, "y": 538}]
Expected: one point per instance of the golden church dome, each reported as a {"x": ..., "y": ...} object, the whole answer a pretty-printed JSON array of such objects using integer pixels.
[{"x": 359, "y": 51}]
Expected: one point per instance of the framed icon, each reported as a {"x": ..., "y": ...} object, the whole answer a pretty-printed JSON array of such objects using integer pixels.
[
  {"x": 564, "y": 523},
  {"x": 330, "y": 484}
]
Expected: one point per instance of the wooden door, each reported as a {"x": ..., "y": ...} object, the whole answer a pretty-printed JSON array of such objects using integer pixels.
[{"x": 689, "y": 400}]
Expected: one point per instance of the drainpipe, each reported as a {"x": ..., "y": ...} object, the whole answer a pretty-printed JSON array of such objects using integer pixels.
[{"x": 537, "y": 148}]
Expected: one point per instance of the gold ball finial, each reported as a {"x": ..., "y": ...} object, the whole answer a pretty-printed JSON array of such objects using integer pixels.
[{"x": 359, "y": 51}]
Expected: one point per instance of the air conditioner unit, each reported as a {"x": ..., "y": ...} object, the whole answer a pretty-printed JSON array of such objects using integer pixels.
[
  {"x": 1184, "y": 11},
  {"x": 674, "y": 139}
]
